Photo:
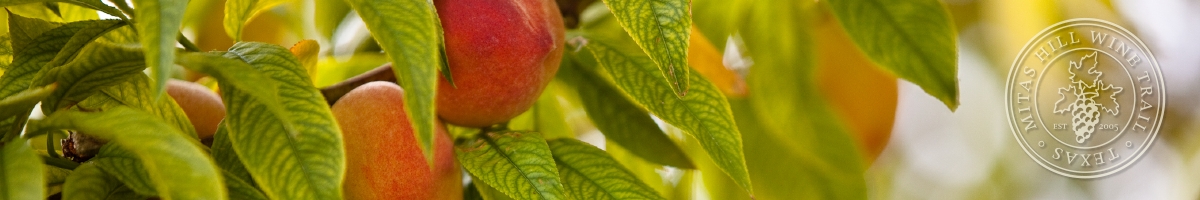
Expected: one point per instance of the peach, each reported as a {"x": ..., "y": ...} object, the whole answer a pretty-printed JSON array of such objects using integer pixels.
[
  {"x": 201, "y": 105},
  {"x": 383, "y": 158},
  {"x": 501, "y": 53}
]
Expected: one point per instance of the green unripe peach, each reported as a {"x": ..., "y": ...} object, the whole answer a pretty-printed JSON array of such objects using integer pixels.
[
  {"x": 383, "y": 158},
  {"x": 502, "y": 53}
]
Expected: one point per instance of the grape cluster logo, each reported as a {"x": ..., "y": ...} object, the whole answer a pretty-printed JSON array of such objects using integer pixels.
[
  {"x": 1085, "y": 112},
  {"x": 1085, "y": 98}
]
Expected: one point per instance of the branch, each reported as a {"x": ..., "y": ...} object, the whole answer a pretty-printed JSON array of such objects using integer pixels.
[{"x": 336, "y": 91}]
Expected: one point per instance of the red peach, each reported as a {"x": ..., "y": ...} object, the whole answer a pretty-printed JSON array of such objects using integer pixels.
[{"x": 502, "y": 53}]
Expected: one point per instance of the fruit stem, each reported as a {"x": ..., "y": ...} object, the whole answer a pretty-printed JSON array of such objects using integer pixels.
[
  {"x": 50, "y": 146},
  {"x": 336, "y": 91},
  {"x": 571, "y": 11},
  {"x": 494, "y": 128},
  {"x": 187, "y": 44},
  {"x": 60, "y": 163}
]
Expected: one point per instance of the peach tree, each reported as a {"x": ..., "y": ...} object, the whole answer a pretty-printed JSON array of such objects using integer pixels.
[{"x": 777, "y": 102}]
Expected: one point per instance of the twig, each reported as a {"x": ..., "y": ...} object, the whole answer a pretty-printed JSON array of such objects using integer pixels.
[
  {"x": 60, "y": 163},
  {"x": 336, "y": 91},
  {"x": 187, "y": 44}
]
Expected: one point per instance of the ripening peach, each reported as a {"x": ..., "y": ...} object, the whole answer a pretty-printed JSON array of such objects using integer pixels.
[
  {"x": 502, "y": 53},
  {"x": 202, "y": 106},
  {"x": 383, "y": 158}
]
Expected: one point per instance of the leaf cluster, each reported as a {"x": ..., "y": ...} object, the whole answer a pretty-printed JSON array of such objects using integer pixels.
[{"x": 631, "y": 68}]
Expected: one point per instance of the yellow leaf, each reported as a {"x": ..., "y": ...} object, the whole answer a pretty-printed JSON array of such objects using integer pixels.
[{"x": 306, "y": 51}]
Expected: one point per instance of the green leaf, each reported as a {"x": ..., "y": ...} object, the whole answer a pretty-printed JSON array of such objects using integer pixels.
[
  {"x": 105, "y": 66},
  {"x": 233, "y": 73},
  {"x": 818, "y": 154},
  {"x": 39, "y": 11},
  {"x": 54, "y": 176},
  {"x": 662, "y": 29},
  {"x": 93, "y": 4},
  {"x": 328, "y": 16},
  {"x": 158, "y": 25},
  {"x": 913, "y": 39},
  {"x": 163, "y": 150},
  {"x": 24, "y": 99},
  {"x": 409, "y": 31},
  {"x": 72, "y": 12},
  {"x": 649, "y": 172},
  {"x": 241, "y": 189},
  {"x": 6, "y": 49},
  {"x": 237, "y": 12},
  {"x": 89, "y": 31},
  {"x": 69, "y": 38},
  {"x": 126, "y": 167},
  {"x": 89, "y": 182},
  {"x": 481, "y": 191},
  {"x": 705, "y": 114},
  {"x": 54, "y": 47},
  {"x": 241, "y": 185},
  {"x": 545, "y": 117},
  {"x": 622, "y": 121},
  {"x": 124, "y": 36},
  {"x": 470, "y": 192},
  {"x": 590, "y": 173},
  {"x": 24, "y": 30},
  {"x": 20, "y": 172},
  {"x": 796, "y": 147},
  {"x": 517, "y": 163},
  {"x": 136, "y": 92},
  {"x": 35, "y": 42},
  {"x": 226, "y": 158},
  {"x": 306, "y": 161},
  {"x": 548, "y": 116},
  {"x": 49, "y": 49}
]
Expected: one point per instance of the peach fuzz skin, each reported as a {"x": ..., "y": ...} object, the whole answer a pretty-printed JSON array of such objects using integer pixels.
[
  {"x": 502, "y": 53},
  {"x": 383, "y": 158}
]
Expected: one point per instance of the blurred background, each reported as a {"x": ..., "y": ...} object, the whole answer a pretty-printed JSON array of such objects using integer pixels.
[
  {"x": 971, "y": 153},
  {"x": 851, "y": 130}
]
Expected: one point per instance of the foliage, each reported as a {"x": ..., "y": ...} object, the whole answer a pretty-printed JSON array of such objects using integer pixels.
[{"x": 640, "y": 72}]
